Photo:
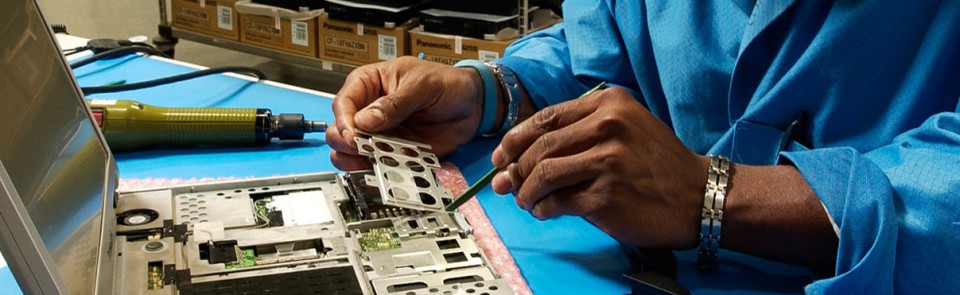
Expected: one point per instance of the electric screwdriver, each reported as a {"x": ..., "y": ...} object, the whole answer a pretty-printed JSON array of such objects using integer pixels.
[{"x": 130, "y": 125}]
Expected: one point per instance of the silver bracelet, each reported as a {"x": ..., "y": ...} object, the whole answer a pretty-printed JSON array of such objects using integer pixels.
[
  {"x": 711, "y": 215},
  {"x": 511, "y": 91}
]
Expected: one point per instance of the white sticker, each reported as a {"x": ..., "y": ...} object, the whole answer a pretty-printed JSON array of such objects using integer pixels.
[
  {"x": 203, "y": 3},
  {"x": 299, "y": 33},
  {"x": 485, "y": 56},
  {"x": 326, "y": 65},
  {"x": 103, "y": 102},
  {"x": 276, "y": 18},
  {"x": 359, "y": 29},
  {"x": 387, "y": 47},
  {"x": 225, "y": 17},
  {"x": 208, "y": 231},
  {"x": 457, "y": 44},
  {"x": 303, "y": 208}
]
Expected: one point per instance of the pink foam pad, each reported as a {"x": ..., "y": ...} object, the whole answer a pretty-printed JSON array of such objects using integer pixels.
[{"x": 483, "y": 231}]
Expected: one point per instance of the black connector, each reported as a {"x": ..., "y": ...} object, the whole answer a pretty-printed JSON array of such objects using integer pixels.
[
  {"x": 101, "y": 45},
  {"x": 59, "y": 29}
]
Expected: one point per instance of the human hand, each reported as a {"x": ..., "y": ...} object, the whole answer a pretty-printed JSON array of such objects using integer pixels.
[
  {"x": 409, "y": 98},
  {"x": 606, "y": 158}
]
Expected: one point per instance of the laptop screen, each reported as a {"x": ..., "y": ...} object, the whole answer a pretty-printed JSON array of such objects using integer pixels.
[{"x": 56, "y": 174}]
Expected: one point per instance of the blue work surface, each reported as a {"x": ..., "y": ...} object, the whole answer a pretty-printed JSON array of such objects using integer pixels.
[
  {"x": 8, "y": 285},
  {"x": 562, "y": 256}
]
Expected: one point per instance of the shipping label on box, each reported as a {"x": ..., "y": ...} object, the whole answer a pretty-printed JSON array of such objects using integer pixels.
[
  {"x": 211, "y": 17},
  {"x": 449, "y": 49},
  {"x": 360, "y": 44},
  {"x": 294, "y": 36}
]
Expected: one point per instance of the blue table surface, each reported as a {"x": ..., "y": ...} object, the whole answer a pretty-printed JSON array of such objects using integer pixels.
[{"x": 561, "y": 256}]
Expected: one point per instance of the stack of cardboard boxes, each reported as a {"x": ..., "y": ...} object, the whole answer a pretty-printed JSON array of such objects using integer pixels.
[
  {"x": 449, "y": 49},
  {"x": 311, "y": 34},
  {"x": 211, "y": 17},
  {"x": 359, "y": 44},
  {"x": 279, "y": 28}
]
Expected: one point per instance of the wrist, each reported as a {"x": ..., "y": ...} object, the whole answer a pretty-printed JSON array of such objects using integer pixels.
[
  {"x": 488, "y": 98},
  {"x": 473, "y": 91},
  {"x": 509, "y": 98},
  {"x": 711, "y": 218}
]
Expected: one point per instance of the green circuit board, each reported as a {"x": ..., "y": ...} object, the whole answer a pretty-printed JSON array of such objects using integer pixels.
[
  {"x": 245, "y": 258},
  {"x": 379, "y": 239}
]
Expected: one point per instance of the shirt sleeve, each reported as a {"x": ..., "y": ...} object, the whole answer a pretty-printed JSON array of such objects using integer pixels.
[
  {"x": 897, "y": 208},
  {"x": 572, "y": 59}
]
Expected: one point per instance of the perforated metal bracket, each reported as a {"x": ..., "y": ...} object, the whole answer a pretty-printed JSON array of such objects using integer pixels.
[{"x": 405, "y": 172}]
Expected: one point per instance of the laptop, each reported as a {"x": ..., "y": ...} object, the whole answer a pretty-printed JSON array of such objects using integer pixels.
[{"x": 64, "y": 229}]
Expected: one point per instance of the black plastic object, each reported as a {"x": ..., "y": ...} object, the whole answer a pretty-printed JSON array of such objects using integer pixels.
[
  {"x": 165, "y": 42},
  {"x": 177, "y": 231},
  {"x": 59, "y": 29},
  {"x": 294, "y": 5},
  {"x": 467, "y": 27},
  {"x": 276, "y": 218},
  {"x": 654, "y": 271},
  {"x": 137, "y": 217},
  {"x": 497, "y": 7},
  {"x": 219, "y": 251},
  {"x": 377, "y": 17},
  {"x": 331, "y": 280}
]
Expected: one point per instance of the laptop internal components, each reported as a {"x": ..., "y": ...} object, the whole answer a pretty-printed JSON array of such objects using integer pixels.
[{"x": 305, "y": 234}]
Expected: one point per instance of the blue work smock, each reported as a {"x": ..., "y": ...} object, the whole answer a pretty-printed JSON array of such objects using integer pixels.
[{"x": 877, "y": 82}]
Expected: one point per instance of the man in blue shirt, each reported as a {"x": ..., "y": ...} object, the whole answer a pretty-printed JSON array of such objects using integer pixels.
[{"x": 840, "y": 118}]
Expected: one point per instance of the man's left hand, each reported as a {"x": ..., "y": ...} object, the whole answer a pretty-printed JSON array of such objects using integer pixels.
[{"x": 606, "y": 158}]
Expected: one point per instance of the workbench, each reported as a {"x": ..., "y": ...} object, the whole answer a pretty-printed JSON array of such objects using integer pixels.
[{"x": 566, "y": 255}]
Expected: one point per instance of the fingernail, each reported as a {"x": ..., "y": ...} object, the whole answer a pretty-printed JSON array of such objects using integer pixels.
[
  {"x": 370, "y": 118},
  {"x": 348, "y": 136},
  {"x": 498, "y": 158}
]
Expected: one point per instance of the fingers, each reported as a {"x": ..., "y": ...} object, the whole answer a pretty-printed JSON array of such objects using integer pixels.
[
  {"x": 347, "y": 162},
  {"x": 404, "y": 87},
  {"x": 361, "y": 86},
  {"x": 566, "y": 141},
  {"x": 564, "y": 201},
  {"x": 400, "y": 105},
  {"x": 516, "y": 141},
  {"x": 551, "y": 175}
]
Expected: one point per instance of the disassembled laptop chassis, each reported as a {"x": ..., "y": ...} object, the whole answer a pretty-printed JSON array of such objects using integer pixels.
[{"x": 365, "y": 232}]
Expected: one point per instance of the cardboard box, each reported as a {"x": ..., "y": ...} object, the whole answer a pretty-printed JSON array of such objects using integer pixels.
[
  {"x": 449, "y": 49},
  {"x": 293, "y": 36},
  {"x": 214, "y": 17},
  {"x": 360, "y": 44}
]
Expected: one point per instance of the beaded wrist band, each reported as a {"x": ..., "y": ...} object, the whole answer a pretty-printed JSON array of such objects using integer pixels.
[{"x": 712, "y": 213}]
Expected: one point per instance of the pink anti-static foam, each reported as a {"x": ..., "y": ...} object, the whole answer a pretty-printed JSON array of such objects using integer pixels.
[{"x": 483, "y": 231}]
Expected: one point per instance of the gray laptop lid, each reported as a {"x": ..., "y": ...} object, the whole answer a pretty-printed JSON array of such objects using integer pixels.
[{"x": 56, "y": 176}]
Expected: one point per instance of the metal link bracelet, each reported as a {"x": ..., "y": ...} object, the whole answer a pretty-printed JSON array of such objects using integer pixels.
[
  {"x": 711, "y": 215},
  {"x": 511, "y": 94}
]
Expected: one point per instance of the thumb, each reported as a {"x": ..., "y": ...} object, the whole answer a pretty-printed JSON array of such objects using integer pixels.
[{"x": 386, "y": 112}]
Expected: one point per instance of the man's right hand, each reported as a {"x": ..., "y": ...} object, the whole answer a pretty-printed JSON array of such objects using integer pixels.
[{"x": 423, "y": 101}]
